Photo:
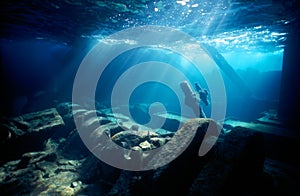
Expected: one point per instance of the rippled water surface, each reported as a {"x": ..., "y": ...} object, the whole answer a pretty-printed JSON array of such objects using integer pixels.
[{"x": 236, "y": 24}]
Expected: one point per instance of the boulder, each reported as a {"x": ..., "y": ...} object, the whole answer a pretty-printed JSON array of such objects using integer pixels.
[
  {"x": 28, "y": 132},
  {"x": 236, "y": 168},
  {"x": 178, "y": 175}
]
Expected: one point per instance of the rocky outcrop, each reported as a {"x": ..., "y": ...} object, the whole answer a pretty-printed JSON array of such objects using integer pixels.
[
  {"x": 62, "y": 165},
  {"x": 40, "y": 173},
  {"x": 28, "y": 132},
  {"x": 177, "y": 176},
  {"x": 233, "y": 166}
]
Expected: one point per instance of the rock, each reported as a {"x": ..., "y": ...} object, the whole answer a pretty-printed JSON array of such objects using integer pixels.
[
  {"x": 121, "y": 187},
  {"x": 94, "y": 171},
  {"x": 34, "y": 157},
  {"x": 38, "y": 121},
  {"x": 232, "y": 166},
  {"x": 20, "y": 181},
  {"x": 132, "y": 138},
  {"x": 158, "y": 141},
  {"x": 74, "y": 184},
  {"x": 29, "y": 132},
  {"x": 73, "y": 162},
  {"x": 48, "y": 168},
  {"x": 66, "y": 108},
  {"x": 73, "y": 147},
  {"x": 84, "y": 116},
  {"x": 145, "y": 145},
  {"x": 58, "y": 168},
  {"x": 56, "y": 184},
  {"x": 61, "y": 190},
  {"x": 40, "y": 178},
  {"x": 97, "y": 134},
  {"x": 64, "y": 166},
  {"x": 236, "y": 167},
  {"x": 177, "y": 176},
  {"x": 136, "y": 148},
  {"x": 20, "y": 124}
]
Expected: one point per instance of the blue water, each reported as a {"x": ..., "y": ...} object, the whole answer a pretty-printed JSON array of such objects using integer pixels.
[
  {"x": 42, "y": 50},
  {"x": 261, "y": 72}
]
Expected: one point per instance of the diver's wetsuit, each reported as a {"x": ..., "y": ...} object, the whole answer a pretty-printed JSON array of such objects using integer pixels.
[
  {"x": 192, "y": 100},
  {"x": 203, "y": 94}
]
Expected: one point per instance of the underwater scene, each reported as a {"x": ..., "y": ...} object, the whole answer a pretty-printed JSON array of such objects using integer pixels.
[{"x": 149, "y": 97}]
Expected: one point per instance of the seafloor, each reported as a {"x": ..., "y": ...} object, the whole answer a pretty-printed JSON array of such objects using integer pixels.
[{"x": 43, "y": 154}]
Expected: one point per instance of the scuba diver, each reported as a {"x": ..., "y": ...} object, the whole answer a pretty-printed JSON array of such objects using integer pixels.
[
  {"x": 203, "y": 94},
  {"x": 192, "y": 100}
]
